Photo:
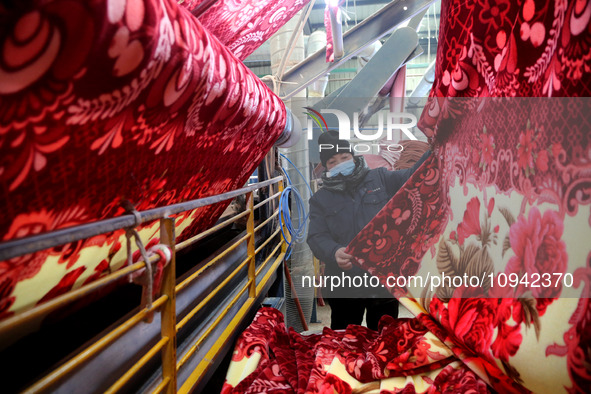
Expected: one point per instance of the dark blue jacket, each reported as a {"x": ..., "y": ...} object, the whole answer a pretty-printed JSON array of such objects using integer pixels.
[{"x": 337, "y": 217}]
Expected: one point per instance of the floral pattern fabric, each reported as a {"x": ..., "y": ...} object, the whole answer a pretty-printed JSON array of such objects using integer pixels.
[
  {"x": 102, "y": 102},
  {"x": 402, "y": 357},
  {"x": 243, "y": 25},
  {"x": 504, "y": 199}
]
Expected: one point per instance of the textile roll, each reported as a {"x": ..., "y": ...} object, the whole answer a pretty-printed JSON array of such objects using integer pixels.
[{"x": 102, "y": 102}]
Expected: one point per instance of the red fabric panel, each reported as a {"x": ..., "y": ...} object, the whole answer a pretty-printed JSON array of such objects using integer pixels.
[
  {"x": 506, "y": 49},
  {"x": 243, "y": 25},
  {"x": 105, "y": 101},
  {"x": 506, "y": 191}
]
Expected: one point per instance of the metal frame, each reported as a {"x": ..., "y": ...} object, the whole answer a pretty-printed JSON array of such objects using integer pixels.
[
  {"x": 396, "y": 51},
  {"x": 259, "y": 278},
  {"x": 355, "y": 40}
]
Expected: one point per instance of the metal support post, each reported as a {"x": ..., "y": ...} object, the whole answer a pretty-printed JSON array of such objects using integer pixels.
[
  {"x": 167, "y": 237},
  {"x": 252, "y": 292}
]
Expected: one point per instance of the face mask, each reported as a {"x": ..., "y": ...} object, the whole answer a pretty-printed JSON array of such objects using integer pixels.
[{"x": 345, "y": 168}]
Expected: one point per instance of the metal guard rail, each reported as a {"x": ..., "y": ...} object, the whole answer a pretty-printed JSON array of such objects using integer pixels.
[{"x": 165, "y": 304}]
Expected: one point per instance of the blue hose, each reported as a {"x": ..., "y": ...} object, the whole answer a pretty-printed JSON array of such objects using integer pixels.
[{"x": 297, "y": 235}]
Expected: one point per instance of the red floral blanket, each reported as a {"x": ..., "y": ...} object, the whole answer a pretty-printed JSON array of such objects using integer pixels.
[
  {"x": 402, "y": 357},
  {"x": 502, "y": 207}
]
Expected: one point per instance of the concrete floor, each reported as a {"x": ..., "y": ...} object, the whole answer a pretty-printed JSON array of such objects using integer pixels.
[{"x": 323, "y": 317}]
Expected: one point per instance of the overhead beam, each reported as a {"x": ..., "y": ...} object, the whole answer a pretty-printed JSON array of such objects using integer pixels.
[
  {"x": 382, "y": 61},
  {"x": 421, "y": 29},
  {"x": 424, "y": 86},
  {"x": 395, "y": 52},
  {"x": 313, "y": 26},
  {"x": 358, "y": 3},
  {"x": 355, "y": 40},
  {"x": 387, "y": 61}
]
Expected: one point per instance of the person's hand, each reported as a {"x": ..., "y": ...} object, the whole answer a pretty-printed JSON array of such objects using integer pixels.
[{"x": 343, "y": 259}]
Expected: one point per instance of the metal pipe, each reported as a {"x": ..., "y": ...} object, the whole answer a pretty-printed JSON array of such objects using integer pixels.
[
  {"x": 268, "y": 240},
  {"x": 161, "y": 386},
  {"x": 194, "y": 379},
  {"x": 291, "y": 133},
  {"x": 187, "y": 281},
  {"x": 260, "y": 226},
  {"x": 70, "y": 296},
  {"x": 429, "y": 38},
  {"x": 210, "y": 231},
  {"x": 264, "y": 263},
  {"x": 336, "y": 28},
  {"x": 194, "y": 311},
  {"x": 22, "y": 246},
  {"x": 355, "y": 40},
  {"x": 49, "y": 380},
  {"x": 250, "y": 247},
  {"x": 129, "y": 333},
  {"x": 292, "y": 40},
  {"x": 213, "y": 325},
  {"x": 266, "y": 200},
  {"x": 168, "y": 314},
  {"x": 123, "y": 380}
]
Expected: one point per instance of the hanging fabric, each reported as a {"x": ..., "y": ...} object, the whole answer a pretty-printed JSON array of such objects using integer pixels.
[
  {"x": 504, "y": 200},
  {"x": 244, "y": 25},
  {"x": 102, "y": 102}
]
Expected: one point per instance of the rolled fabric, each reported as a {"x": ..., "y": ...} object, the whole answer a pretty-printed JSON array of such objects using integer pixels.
[{"x": 102, "y": 102}]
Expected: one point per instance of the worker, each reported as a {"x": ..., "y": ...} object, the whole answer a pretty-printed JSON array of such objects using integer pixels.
[{"x": 350, "y": 197}]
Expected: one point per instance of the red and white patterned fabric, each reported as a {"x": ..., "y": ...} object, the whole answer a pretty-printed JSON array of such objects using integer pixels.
[
  {"x": 505, "y": 195},
  {"x": 402, "y": 357},
  {"x": 108, "y": 101},
  {"x": 243, "y": 25}
]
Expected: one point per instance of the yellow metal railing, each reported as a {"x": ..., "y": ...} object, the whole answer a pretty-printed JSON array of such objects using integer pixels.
[
  {"x": 251, "y": 286},
  {"x": 258, "y": 278}
]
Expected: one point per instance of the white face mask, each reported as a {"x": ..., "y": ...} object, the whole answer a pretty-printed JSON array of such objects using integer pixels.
[{"x": 345, "y": 168}]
